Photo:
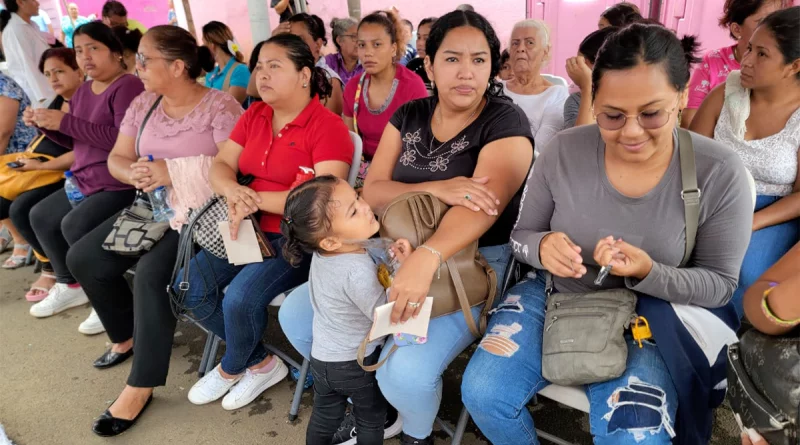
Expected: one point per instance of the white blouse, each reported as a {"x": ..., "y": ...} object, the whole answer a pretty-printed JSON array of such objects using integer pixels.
[
  {"x": 772, "y": 160},
  {"x": 24, "y": 45},
  {"x": 545, "y": 111}
]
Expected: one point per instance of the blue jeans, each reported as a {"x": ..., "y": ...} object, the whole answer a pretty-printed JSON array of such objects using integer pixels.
[
  {"x": 239, "y": 318},
  {"x": 505, "y": 373},
  {"x": 411, "y": 380},
  {"x": 766, "y": 247}
]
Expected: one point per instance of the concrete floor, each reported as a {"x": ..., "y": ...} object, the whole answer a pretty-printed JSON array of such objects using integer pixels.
[{"x": 50, "y": 393}]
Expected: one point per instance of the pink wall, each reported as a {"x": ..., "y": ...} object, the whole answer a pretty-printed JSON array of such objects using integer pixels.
[{"x": 149, "y": 12}]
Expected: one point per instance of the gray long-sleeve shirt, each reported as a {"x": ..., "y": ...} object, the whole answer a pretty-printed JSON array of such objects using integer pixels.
[
  {"x": 568, "y": 191},
  {"x": 344, "y": 294}
]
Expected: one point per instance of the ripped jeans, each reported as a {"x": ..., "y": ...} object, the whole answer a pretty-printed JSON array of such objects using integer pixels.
[{"x": 505, "y": 373}]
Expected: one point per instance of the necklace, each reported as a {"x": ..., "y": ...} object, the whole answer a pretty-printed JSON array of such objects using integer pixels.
[{"x": 431, "y": 150}]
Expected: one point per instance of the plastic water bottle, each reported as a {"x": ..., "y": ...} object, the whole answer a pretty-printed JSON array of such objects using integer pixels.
[
  {"x": 74, "y": 194},
  {"x": 161, "y": 210},
  {"x": 158, "y": 199}
]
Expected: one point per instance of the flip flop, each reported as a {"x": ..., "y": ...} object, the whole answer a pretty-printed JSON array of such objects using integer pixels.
[
  {"x": 17, "y": 261},
  {"x": 37, "y": 293}
]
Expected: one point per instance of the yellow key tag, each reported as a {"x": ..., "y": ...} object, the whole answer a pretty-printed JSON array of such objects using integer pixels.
[{"x": 641, "y": 330}]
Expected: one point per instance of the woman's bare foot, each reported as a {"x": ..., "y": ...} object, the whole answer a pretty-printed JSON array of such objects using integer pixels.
[
  {"x": 121, "y": 348},
  {"x": 45, "y": 281},
  {"x": 130, "y": 403}
]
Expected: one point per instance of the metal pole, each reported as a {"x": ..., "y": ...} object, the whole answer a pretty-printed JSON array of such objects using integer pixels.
[
  {"x": 259, "y": 20},
  {"x": 354, "y": 8}
]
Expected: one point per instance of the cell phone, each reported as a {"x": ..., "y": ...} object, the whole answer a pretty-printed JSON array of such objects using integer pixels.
[{"x": 14, "y": 164}]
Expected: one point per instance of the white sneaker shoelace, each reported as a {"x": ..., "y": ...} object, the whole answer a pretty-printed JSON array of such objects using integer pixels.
[{"x": 211, "y": 387}]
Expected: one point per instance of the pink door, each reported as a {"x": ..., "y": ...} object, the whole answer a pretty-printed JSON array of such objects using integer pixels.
[
  {"x": 570, "y": 21},
  {"x": 698, "y": 18}
]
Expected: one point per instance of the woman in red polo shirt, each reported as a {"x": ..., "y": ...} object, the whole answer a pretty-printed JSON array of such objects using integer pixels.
[
  {"x": 271, "y": 141},
  {"x": 372, "y": 98}
]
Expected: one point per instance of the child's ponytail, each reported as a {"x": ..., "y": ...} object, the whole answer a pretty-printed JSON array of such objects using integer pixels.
[{"x": 306, "y": 220}]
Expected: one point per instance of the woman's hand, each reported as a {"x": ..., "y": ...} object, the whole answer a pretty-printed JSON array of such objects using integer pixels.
[
  {"x": 28, "y": 118},
  {"x": 236, "y": 214},
  {"x": 411, "y": 284},
  {"x": 149, "y": 175},
  {"x": 471, "y": 193},
  {"x": 560, "y": 256},
  {"x": 751, "y": 437},
  {"x": 629, "y": 261},
  {"x": 48, "y": 119},
  {"x": 400, "y": 250},
  {"x": 606, "y": 251},
  {"x": 30, "y": 164},
  {"x": 283, "y": 28},
  {"x": 247, "y": 198},
  {"x": 579, "y": 72}
]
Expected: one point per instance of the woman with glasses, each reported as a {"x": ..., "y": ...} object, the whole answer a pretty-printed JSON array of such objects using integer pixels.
[
  {"x": 610, "y": 195},
  {"x": 756, "y": 112},
  {"x": 181, "y": 125},
  {"x": 541, "y": 100},
  {"x": 90, "y": 129},
  {"x": 345, "y": 60}
]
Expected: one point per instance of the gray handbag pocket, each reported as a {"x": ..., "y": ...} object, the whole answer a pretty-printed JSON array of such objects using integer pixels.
[{"x": 584, "y": 336}]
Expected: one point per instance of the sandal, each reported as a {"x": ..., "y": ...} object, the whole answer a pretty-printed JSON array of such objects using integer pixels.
[
  {"x": 5, "y": 239},
  {"x": 17, "y": 261},
  {"x": 38, "y": 293}
]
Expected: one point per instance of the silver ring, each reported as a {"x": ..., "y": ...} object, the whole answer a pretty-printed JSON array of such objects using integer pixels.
[
  {"x": 468, "y": 197},
  {"x": 413, "y": 305}
]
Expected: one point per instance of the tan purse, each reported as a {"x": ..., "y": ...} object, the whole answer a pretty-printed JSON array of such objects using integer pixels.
[{"x": 466, "y": 280}]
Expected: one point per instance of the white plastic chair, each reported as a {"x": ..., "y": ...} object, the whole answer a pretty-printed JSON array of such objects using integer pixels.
[
  {"x": 208, "y": 361},
  {"x": 556, "y": 80}
]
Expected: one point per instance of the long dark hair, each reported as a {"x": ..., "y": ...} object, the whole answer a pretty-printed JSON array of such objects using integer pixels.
[
  {"x": 306, "y": 217},
  {"x": 219, "y": 34},
  {"x": 176, "y": 43},
  {"x": 314, "y": 24},
  {"x": 5, "y": 14},
  {"x": 737, "y": 11},
  {"x": 457, "y": 19},
  {"x": 785, "y": 28},
  {"x": 129, "y": 38},
  {"x": 590, "y": 46},
  {"x": 622, "y": 14},
  {"x": 300, "y": 55},
  {"x": 650, "y": 44}
]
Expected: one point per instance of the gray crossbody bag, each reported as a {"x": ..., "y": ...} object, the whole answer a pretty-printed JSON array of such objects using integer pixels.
[{"x": 584, "y": 335}]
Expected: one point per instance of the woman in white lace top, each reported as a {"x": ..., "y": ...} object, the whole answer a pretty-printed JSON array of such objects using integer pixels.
[{"x": 757, "y": 113}]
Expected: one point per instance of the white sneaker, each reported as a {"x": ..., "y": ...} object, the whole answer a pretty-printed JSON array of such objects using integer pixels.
[
  {"x": 92, "y": 325},
  {"x": 211, "y": 387},
  {"x": 60, "y": 298},
  {"x": 252, "y": 385}
]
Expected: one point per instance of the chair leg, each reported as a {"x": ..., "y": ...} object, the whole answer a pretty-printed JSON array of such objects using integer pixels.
[
  {"x": 298, "y": 392},
  {"x": 201, "y": 371},
  {"x": 212, "y": 358},
  {"x": 461, "y": 427}
]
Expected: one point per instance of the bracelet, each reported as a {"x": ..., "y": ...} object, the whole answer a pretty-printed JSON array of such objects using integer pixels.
[
  {"x": 771, "y": 316},
  {"x": 438, "y": 254}
]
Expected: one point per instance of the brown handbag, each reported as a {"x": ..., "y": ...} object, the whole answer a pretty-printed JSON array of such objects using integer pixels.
[{"x": 466, "y": 280}]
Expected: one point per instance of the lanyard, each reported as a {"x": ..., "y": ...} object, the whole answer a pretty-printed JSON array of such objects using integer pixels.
[{"x": 355, "y": 104}]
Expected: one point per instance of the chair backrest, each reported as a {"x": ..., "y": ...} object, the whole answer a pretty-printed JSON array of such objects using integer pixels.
[
  {"x": 556, "y": 80},
  {"x": 356, "y": 165},
  {"x": 752, "y": 186}
]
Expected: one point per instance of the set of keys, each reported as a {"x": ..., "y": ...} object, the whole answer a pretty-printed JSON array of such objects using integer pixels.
[{"x": 640, "y": 328}]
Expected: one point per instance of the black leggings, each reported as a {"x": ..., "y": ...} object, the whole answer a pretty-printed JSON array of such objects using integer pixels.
[
  {"x": 55, "y": 225},
  {"x": 19, "y": 210},
  {"x": 144, "y": 315}
]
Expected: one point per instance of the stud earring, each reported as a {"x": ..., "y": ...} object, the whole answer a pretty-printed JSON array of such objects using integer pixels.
[{"x": 305, "y": 85}]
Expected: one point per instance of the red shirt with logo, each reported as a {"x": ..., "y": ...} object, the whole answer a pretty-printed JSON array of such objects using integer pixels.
[{"x": 274, "y": 157}]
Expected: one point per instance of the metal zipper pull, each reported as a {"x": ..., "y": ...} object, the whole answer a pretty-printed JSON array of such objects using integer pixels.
[{"x": 552, "y": 322}]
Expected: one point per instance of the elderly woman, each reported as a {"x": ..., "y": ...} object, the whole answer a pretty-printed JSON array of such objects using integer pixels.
[
  {"x": 345, "y": 60},
  {"x": 481, "y": 139},
  {"x": 71, "y": 22},
  {"x": 541, "y": 100}
]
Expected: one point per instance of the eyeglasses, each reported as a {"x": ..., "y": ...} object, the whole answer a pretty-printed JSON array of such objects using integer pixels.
[
  {"x": 142, "y": 60},
  {"x": 649, "y": 120}
]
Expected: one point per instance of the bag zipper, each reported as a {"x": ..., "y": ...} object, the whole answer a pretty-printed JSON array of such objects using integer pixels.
[
  {"x": 555, "y": 318},
  {"x": 570, "y": 303},
  {"x": 776, "y": 417}
]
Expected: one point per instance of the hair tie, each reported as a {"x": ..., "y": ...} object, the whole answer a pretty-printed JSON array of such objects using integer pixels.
[
  {"x": 288, "y": 220},
  {"x": 233, "y": 47}
]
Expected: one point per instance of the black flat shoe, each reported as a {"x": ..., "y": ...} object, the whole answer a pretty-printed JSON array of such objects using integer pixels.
[
  {"x": 109, "y": 426},
  {"x": 111, "y": 359}
]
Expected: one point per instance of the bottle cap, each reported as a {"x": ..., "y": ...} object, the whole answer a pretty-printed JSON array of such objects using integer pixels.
[
  {"x": 150, "y": 158},
  {"x": 161, "y": 188},
  {"x": 68, "y": 174}
]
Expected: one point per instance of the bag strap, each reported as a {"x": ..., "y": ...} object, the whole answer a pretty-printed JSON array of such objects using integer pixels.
[
  {"x": 362, "y": 350},
  {"x": 144, "y": 122},
  {"x": 690, "y": 193},
  {"x": 226, "y": 84}
]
